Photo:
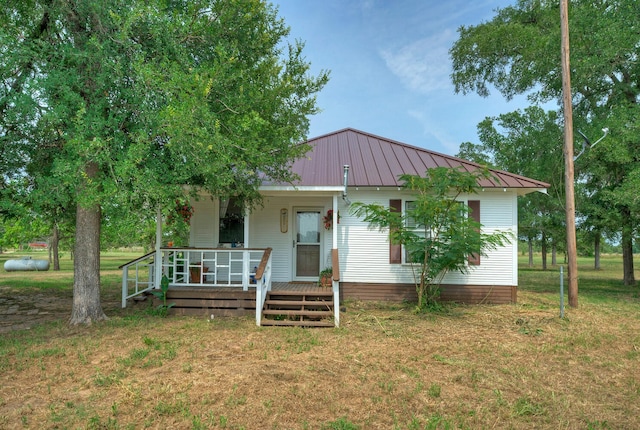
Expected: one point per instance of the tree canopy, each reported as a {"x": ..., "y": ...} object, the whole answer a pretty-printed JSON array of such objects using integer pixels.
[
  {"x": 528, "y": 143},
  {"x": 135, "y": 102},
  {"x": 518, "y": 52}
]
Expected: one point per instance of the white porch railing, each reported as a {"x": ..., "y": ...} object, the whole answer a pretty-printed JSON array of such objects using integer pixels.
[
  {"x": 197, "y": 267},
  {"x": 137, "y": 276},
  {"x": 220, "y": 267},
  {"x": 263, "y": 283}
]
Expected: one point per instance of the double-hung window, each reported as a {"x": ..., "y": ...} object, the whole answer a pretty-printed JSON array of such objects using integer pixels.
[
  {"x": 402, "y": 254},
  {"x": 419, "y": 229}
]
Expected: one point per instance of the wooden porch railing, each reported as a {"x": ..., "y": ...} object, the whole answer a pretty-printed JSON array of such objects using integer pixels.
[
  {"x": 263, "y": 283},
  {"x": 197, "y": 267}
]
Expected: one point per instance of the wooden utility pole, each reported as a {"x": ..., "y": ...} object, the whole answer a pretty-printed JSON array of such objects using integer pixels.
[{"x": 570, "y": 208}]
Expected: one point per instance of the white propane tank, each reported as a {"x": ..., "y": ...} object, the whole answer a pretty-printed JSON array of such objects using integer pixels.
[{"x": 26, "y": 264}]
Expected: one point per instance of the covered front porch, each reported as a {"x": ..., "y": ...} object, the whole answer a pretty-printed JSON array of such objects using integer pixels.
[
  {"x": 231, "y": 281},
  {"x": 290, "y": 239}
]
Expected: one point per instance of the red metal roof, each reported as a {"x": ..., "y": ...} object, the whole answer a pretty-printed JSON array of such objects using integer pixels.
[{"x": 377, "y": 162}]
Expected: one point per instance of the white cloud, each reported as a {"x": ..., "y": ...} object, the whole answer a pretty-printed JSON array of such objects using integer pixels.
[
  {"x": 423, "y": 66},
  {"x": 434, "y": 130}
]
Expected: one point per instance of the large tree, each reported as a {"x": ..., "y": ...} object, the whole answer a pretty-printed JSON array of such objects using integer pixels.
[
  {"x": 133, "y": 102},
  {"x": 518, "y": 52}
]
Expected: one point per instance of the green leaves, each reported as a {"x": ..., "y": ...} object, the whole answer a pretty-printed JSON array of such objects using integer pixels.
[
  {"x": 134, "y": 103},
  {"x": 518, "y": 52},
  {"x": 157, "y": 94},
  {"x": 435, "y": 229}
]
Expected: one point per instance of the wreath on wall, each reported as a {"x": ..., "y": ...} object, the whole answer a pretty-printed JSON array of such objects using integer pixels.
[{"x": 327, "y": 220}]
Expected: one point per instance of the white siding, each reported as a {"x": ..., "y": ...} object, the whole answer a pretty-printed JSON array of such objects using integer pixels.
[
  {"x": 498, "y": 212},
  {"x": 364, "y": 253},
  {"x": 264, "y": 231},
  {"x": 204, "y": 223}
]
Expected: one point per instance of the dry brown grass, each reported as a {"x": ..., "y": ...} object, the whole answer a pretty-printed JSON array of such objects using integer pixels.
[
  {"x": 474, "y": 367},
  {"x": 512, "y": 366}
]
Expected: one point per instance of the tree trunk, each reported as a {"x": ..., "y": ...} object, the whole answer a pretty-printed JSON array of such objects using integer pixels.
[
  {"x": 596, "y": 252},
  {"x": 55, "y": 241},
  {"x": 544, "y": 251},
  {"x": 554, "y": 254},
  {"x": 530, "y": 243},
  {"x": 627, "y": 251},
  {"x": 86, "y": 265}
]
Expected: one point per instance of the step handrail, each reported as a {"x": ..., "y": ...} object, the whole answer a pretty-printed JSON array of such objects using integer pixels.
[
  {"x": 139, "y": 286},
  {"x": 263, "y": 263},
  {"x": 263, "y": 283},
  {"x": 136, "y": 260}
]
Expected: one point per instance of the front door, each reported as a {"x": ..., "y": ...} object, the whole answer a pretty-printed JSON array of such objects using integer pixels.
[{"x": 307, "y": 244}]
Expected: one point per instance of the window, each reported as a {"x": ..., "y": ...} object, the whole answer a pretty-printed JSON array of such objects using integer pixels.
[
  {"x": 400, "y": 254},
  {"x": 418, "y": 229},
  {"x": 231, "y": 222}
]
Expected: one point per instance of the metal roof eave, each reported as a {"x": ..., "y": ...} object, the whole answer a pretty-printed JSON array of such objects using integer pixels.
[
  {"x": 301, "y": 188},
  {"x": 524, "y": 191}
]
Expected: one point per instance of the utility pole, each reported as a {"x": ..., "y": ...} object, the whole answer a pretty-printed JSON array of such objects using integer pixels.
[{"x": 570, "y": 208}]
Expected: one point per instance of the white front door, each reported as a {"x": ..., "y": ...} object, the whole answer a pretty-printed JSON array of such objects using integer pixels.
[{"x": 307, "y": 244}]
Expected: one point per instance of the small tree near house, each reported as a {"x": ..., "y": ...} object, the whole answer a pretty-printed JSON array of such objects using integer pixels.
[{"x": 436, "y": 229}]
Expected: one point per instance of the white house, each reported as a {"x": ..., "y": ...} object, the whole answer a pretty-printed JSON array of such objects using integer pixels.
[{"x": 307, "y": 225}]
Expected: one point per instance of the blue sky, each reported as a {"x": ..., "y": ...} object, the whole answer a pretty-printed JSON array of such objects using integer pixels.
[{"x": 390, "y": 67}]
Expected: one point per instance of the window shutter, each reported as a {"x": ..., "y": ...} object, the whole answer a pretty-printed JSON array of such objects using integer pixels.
[
  {"x": 474, "y": 207},
  {"x": 395, "y": 250}
]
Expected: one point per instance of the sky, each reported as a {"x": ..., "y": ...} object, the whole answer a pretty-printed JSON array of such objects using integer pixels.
[{"x": 390, "y": 68}]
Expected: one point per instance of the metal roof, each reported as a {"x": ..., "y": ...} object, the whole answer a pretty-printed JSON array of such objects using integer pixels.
[{"x": 377, "y": 162}]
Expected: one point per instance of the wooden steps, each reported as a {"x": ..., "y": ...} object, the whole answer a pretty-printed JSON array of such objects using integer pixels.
[
  {"x": 298, "y": 308},
  {"x": 311, "y": 308}
]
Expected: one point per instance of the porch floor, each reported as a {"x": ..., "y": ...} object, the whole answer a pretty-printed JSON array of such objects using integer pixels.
[{"x": 302, "y": 287}]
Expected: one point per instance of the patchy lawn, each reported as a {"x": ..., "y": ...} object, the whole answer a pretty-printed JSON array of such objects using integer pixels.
[{"x": 508, "y": 366}]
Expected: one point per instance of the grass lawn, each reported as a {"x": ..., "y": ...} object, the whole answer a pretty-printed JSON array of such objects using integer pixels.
[{"x": 508, "y": 366}]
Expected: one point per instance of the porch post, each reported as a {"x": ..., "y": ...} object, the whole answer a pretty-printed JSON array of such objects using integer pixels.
[
  {"x": 246, "y": 255},
  {"x": 157, "y": 261},
  {"x": 334, "y": 221},
  {"x": 335, "y": 284},
  {"x": 246, "y": 228}
]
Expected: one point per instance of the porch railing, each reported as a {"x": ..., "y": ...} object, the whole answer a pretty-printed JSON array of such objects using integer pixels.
[
  {"x": 263, "y": 283},
  {"x": 219, "y": 267},
  {"x": 137, "y": 276},
  {"x": 197, "y": 267}
]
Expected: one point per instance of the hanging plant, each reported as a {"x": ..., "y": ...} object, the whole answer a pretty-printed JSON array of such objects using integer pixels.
[
  {"x": 183, "y": 210},
  {"x": 327, "y": 220}
]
